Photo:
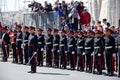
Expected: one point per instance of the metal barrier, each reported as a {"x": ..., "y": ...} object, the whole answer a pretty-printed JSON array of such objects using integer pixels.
[
  {"x": 42, "y": 20},
  {"x": 39, "y": 20}
]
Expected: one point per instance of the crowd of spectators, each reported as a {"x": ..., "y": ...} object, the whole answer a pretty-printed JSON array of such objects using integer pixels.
[{"x": 72, "y": 15}]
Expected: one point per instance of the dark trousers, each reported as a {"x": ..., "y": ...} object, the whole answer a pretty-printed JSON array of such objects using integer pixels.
[
  {"x": 98, "y": 62},
  {"x": 119, "y": 65},
  {"x": 56, "y": 58},
  {"x": 80, "y": 61},
  {"x": 33, "y": 61},
  {"x": 26, "y": 54},
  {"x": 48, "y": 57},
  {"x": 14, "y": 53},
  {"x": 40, "y": 57},
  {"x": 109, "y": 63},
  {"x": 20, "y": 54},
  {"x": 63, "y": 60},
  {"x": 72, "y": 60},
  {"x": 5, "y": 53},
  {"x": 89, "y": 61}
]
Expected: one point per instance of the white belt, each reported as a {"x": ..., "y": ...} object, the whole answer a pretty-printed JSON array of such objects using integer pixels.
[
  {"x": 18, "y": 39},
  {"x": 48, "y": 43},
  {"x": 39, "y": 42},
  {"x": 25, "y": 40},
  {"x": 61, "y": 44},
  {"x": 96, "y": 47},
  {"x": 87, "y": 47},
  {"x": 108, "y": 47},
  {"x": 55, "y": 44},
  {"x": 70, "y": 45},
  {"x": 80, "y": 47}
]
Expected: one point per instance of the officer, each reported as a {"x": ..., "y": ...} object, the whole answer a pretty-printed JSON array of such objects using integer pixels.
[
  {"x": 32, "y": 49},
  {"x": 71, "y": 50},
  {"x": 118, "y": 54},
  {"x": 109, "y": 50},
  {"x": 89, "y": 48},
  {"x": 49, "y": 46},
  {"x": 80, "y": 50},
  {"x": 98, "y": 50},
  {"x": 25, "y": 43},
  {"x": 19, "y": 43},
  {"x": 41, "y": 43},
  {"x": 56, "y": 41},
  {"x": 63, "y": 49},
  {"x": 15, "y": 55},
  {"x": 5, "y": 43}
]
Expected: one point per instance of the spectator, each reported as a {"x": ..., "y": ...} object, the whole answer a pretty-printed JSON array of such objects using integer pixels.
[
  {"x": 105, "y": 24},
  {"x": 64, "y": 10}
]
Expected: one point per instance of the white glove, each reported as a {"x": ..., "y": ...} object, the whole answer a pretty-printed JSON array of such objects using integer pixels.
[
  {"x": 35, "y": 53},
  {"x": 83, "y": 53},
  {"x": 5, "y": 45},
  {"x": 92, "y": 54},
  {"x": 52, "y": 50},
  {"x": 42, "y": 49},
  {"x": 58, "y": 51},
  {"x": 114, "y": 54},
  {"x": 99, "y": 54},
  {"x": 73, "y": 52},
  {"x": 65, "y": 51}
]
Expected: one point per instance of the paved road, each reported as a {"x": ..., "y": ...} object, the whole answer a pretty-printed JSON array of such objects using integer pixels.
[{"x": 10, "y": 71}]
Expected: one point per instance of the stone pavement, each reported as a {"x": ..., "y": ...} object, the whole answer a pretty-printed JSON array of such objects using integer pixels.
[{"x": 10, "y": 71}]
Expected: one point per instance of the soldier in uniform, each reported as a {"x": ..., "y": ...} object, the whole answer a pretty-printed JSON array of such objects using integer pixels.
[
  {"x": 56, "y": 41},
  {"x": 109, "y": 50},
  {"x": 63, "y": 49},
  {"x": 19, "y": 43},
  {"x": 25, "y": 43},
  {"x": 32, "y": 49},
  {"x": 41, "y": 43},
  {"x": 15, "y": 55},
  {"x": 5, "y": 44},
  {"x": 71, "y": 50},
  {"x": 80, "y": 50},
  {"x": 89, "y": 48},
  {"x": 118, "y": 54},
  {"x": 49, "y": 46},
  {"x": 98, "y": 50}
]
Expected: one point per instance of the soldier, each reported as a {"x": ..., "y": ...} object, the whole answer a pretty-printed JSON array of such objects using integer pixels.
[
  {"x": 118, "y": 44},
  {"x": 109, "y": 50},
  {"x": 71, "y": 50},
  {"x": 49, "y": 46},
  {"x": 63, "y": 49},
  {"x": 76, "y": 38},
  {"x": 98, "y": 50},
  {"x": 80, "y": 50},
  {"x": 32, "y": 49},
  {"x": 56, "y": 41},
  {"x": 41, "y": 43},
  {"x": 25, "y": 43},
  {"x": 15, "y": 55},
  {"x": 19, "y": 43},
  {"x": 5, "y": 44},
  {"x": 89, "y": 48}
]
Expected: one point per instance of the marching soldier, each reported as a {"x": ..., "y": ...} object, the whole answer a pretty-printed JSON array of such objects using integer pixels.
[
  {"x": 19, "y": 43},
  {"x": 109, "y": 50},
  {"x": 32, "y": 49},
  {"x": 56, "y": 41},
  {"x": 98, "y": 50},
  {"x": 15, "y": 55},
  {"x": 118, "y": 54},
  {"x": 41, "y": 43},
  {"x": 49, "y": 46},
  {"x": 5, "y": 44},
  {"x": 89, "y": 48},
  {"x": 71, "y": 50},
  {"x": 80, "y": 50},
  {"x": 63, "y": 49},
  {"x": 25, "y": 43}
]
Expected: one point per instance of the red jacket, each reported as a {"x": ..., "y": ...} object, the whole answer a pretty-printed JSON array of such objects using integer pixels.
[
  {"x": 85, "y": 18},
  {"x": 0, "y": 26}
]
